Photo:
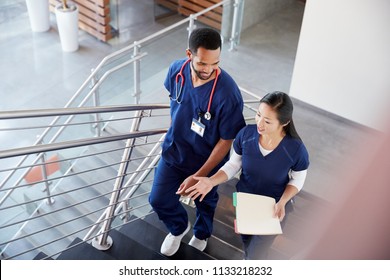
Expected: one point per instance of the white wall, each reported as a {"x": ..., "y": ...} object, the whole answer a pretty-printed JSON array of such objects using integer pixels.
[
  {"x": 254, "y": 11},
  {"x": 343, "y": 59},
  {"x": 257, "y": 10}
]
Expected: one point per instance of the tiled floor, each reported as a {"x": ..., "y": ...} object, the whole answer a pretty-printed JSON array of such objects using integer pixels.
[
  {"x": 34, "y": 68},
  {"x": 35, "y": 73}
]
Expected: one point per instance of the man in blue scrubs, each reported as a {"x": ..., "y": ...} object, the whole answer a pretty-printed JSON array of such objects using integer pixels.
[{"x": 206, "y": 111}]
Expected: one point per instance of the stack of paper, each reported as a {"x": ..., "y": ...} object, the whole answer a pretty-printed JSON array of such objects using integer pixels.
[{"x": 255, "y": 214}]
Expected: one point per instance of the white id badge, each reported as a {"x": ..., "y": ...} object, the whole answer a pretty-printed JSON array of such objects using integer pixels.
[{"x": 197, "y": 127}]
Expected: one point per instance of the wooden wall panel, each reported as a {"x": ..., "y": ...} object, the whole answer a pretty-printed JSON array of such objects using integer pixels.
[
  {"x": 170, "y": 4},
  {"x": 94, "y": 17},
  {"x": 188, "y": 7}
]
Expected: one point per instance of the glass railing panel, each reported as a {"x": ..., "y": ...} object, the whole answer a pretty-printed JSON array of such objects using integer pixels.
[{"x": 117, "y": 87}]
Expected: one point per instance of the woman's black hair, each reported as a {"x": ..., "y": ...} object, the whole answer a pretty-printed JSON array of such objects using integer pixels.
[
  {"x": 283, "y": 106},
  {"x": 205, "y": 37}
]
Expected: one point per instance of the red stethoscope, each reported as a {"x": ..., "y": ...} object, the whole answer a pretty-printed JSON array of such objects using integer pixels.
[{"x": 180, "y": 76}]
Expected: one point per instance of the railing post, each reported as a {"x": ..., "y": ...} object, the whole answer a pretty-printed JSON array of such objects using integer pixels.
[
  {"x": 137, "y": 73},
  {"x": 96, "y": 103},
  {"x": 104, "y": 241},
  {"x": 49, "y": 199},
  {"x": 191, "y": 25},
  {"x": 236, "y": 21},
  {"x": 126, "y": 215}
]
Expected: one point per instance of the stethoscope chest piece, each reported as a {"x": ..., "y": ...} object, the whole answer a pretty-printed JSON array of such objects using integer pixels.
[{"x": 207, "y": 116}]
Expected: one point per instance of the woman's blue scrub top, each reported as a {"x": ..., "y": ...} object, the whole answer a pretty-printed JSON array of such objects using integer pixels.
[{"x": 268, "y": 175}]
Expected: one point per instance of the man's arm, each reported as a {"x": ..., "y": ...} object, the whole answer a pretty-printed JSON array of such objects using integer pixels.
[{"x": 220, "y": 150}]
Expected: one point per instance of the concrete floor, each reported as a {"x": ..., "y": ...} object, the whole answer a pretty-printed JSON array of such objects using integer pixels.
[{"x": 35, "y": 73}]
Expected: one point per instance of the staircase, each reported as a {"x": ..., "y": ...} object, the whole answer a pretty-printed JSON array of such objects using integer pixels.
[
  {"x": 57, "y": 230},
  {"x": 141, "y": 238}
]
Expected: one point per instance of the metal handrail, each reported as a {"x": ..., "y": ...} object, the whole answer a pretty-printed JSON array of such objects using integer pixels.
[
  {"x": 25, "y": 151},
  {"x": 68, "y": 159},
  {"x": 78, "y": 111}
]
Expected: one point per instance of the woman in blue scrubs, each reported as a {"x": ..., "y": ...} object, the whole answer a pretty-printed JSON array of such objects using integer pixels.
[
  {"x": 273, "y": 161},
  {"x": 206, "y": 112}
]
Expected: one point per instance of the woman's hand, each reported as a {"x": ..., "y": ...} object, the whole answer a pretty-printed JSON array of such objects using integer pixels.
[
  {"x": 188, "y": 182},
  {"x": 201, "y": 188},
  {"x": 280, "y": 207},
  {"x": 280, "y": 210}
]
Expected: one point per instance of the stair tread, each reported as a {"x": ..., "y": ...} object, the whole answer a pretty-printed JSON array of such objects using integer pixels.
[
  {"x": 42, "y": 256},
  {"x": 125, "y": 248},
  {"x": 225, "y": 211},
  {"x": 223, "y": 243},
  {"x": 73, "y": 190},
  {"x": 83, "y": 251},
  {"x": 152, "y": 237}
]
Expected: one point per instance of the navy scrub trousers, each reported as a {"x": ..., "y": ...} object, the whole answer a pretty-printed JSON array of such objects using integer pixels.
[{"x": 166, "y": 204}]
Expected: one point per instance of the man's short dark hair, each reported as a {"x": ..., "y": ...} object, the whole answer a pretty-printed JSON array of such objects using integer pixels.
[{"x": 205, "y": 37}]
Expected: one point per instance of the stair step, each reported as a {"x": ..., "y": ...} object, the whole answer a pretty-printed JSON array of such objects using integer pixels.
[
  {"x": 225, "y": 215},
  {"x": 225, "y": 211},
  {"x": 125, "y": 248},
  {"x": 20, "y": 250},
  {"x": 75, "y": 192},
  {"x": 69, "y": 220},
  {"x": 219, "y": 246},
  {"x": 42, "y": 256},
  {"x": 80, "y": 250},
  {"x": 139, "y": 202},
  {"x": 112, "y": 152},
  {"x": 48, "y": 237},
  {"x": 223, "y": 243},
  {"x": 98, "y": 175},
  {"x": 152, "y": 237}
]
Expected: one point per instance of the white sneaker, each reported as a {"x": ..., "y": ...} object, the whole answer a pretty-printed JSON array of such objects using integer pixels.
[
  {"x": 172, "y": 242},
  {"x": 198, "y": 243}
]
